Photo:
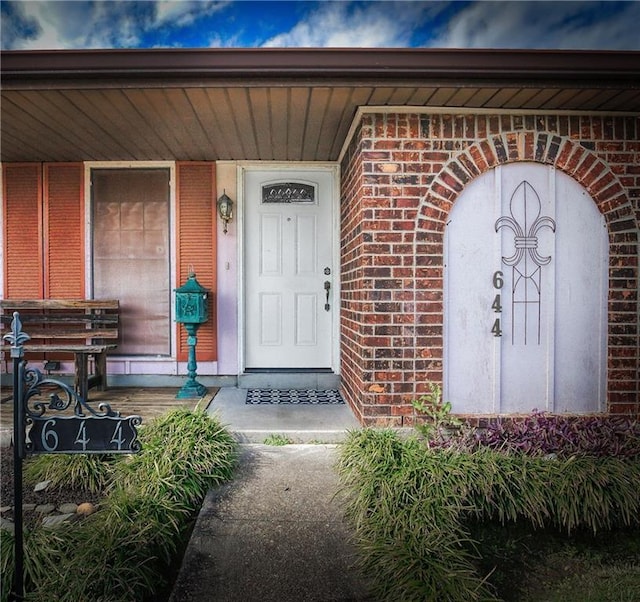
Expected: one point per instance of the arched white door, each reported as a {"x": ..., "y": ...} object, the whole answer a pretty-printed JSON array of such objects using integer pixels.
[{"x": 526, "y": 256}]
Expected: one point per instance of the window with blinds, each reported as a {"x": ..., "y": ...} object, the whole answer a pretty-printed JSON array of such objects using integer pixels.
[{"x": 131, "y": 255}]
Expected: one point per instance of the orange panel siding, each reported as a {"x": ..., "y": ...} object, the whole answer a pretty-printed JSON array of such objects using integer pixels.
[
  {"x": 22, "y": 230},
  {"x": 196, "y": 206},
  {"x": 64, "y": 231}
]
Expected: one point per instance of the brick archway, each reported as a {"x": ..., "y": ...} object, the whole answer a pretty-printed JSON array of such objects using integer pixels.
[{"x": 604, "y": 187}]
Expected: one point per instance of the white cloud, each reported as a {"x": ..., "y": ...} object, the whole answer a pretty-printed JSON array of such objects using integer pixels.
[
  {"x": 65, "y": 25},
  {"x": 219, "y": 41},
  {"x": 345, "y": 24},
  {"x": 181, "y": 13},
  {"x": 561, "y": 25},
  {"x": 101, "y": 23},
  {"x": 55, "y": 28},
  {"x": 115, "y": 25},
  {"x": 60, "y": 24}
]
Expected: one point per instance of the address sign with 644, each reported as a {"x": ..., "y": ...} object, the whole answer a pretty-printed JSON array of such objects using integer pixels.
[{"x": 82, "y": 435}]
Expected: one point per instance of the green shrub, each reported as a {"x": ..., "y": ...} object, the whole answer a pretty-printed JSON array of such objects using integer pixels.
[
  {"x": 89, "y": 471},
  {"x": 184, "y": 454},
  {"x": 405, "y": 507},
  {"x": 7, "y": 564},
  {"x": 437, "y": 413},
  {"x": 411, "y": 507},
  {"x": 121, "y": 552}
]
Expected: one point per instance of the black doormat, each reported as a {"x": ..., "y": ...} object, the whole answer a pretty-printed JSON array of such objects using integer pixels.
[{"x": 273, "y": 396}]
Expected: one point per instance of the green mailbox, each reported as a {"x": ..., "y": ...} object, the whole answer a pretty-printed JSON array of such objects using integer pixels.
[
  {"x": 192, "y": 309},
  {"x": 192, "y": 302}
]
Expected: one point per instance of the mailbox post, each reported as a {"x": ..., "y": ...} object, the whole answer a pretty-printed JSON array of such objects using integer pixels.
[{"x": 192, "y": 310}]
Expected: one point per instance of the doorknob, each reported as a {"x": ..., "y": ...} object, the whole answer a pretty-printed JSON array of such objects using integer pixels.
[{"x": 327, "y": 288}]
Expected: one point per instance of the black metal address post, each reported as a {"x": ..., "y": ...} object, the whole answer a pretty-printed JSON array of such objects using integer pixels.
[
  {"x": 87, "y": 431},
  {"x": 16, "y": 338}
]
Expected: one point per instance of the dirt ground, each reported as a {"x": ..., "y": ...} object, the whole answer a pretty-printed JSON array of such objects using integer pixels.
[{"x": 29, "y": 496}]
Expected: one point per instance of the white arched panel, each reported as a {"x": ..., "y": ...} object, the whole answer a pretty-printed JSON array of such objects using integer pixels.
[
  {"x": 581, "y": 300},
  {"x": 526, "y": 256}
]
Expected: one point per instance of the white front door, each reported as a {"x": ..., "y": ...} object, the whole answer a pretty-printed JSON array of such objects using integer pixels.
[{"x": 290, "y": 273}]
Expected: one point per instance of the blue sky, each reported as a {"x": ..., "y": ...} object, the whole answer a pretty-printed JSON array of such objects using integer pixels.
[{"x": 553, "y": 24}]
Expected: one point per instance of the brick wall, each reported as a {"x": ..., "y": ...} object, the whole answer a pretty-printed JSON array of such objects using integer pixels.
[{"x": 400, "y": 177}]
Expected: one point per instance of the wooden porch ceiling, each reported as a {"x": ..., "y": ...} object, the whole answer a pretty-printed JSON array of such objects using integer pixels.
[{"x": 276, "y": 105}]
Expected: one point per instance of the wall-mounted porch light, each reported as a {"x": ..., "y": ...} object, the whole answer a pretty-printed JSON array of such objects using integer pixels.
[{"x": 225, "y": 209}]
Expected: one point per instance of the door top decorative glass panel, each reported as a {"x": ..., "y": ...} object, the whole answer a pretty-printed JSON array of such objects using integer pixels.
[{"x": 288, "y": 192}]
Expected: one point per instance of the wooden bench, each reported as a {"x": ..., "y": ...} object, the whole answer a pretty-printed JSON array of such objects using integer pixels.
[{"x": 58, "y": 327}]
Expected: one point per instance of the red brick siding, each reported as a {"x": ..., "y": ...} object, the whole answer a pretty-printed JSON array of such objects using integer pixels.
[
  {"x": 354, "y": 374},
  {"x": 401, "y": 176}
]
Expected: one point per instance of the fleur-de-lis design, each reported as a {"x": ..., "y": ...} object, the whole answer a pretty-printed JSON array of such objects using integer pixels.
[
  {"x": 16, "y": 338},
  {"x": 526, "y": 262},
  {"x": 526, "y": 222}
]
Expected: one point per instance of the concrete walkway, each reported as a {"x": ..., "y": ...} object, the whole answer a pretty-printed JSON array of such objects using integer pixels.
[{"x": 275, "y": 533}]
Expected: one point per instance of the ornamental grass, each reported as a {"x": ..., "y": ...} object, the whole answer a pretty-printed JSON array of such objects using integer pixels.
[
  {"x": 412, "y": 507},
  {"x": 121, "y": 552}
]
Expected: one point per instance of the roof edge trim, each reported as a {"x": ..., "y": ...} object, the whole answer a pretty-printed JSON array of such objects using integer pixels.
[{"x": 319, "y": 62}]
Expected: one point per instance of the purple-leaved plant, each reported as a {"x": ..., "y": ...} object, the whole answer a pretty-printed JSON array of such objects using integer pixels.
[{"x": 545, "y": 434}]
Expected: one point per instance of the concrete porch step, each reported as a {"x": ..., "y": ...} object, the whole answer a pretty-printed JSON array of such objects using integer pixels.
[
  {"x": 301, "y": 423},
  {"x": 289, "y": 380}
]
